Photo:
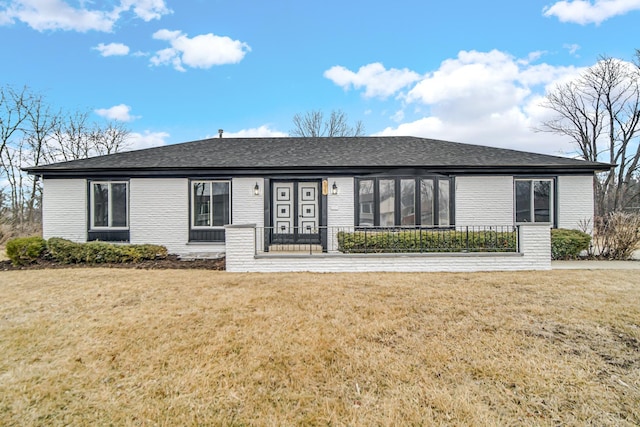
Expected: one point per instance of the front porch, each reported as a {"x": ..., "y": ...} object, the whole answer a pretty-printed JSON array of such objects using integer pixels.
[
  {"x": 526, "y": 247},
  {"x": 367, "y": 240}
]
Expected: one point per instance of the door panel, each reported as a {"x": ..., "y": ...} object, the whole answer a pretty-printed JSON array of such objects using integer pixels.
[
  {"x": 283, "y": 212},
  {"x": 296, "y": 211},
  {"x": 308, "y": 207}
]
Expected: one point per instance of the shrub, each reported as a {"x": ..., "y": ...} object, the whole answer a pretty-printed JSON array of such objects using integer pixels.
[
  {"x": 568, "y": 244},
  {"x": 375, "y": 241},
  {"x": 618, "y": 235},
  {"x": 147, "y": 252},
  {"x": 101, "y": 253},
  {"x": 68, "y": 252},
  {"x": 65, "y": 251},
  {"x": 25, "y": 250}
]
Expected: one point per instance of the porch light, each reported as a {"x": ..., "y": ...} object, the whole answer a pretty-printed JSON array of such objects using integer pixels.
[
  {"x": 256, "y": 189},
  {"x": 334, "y": 188}
]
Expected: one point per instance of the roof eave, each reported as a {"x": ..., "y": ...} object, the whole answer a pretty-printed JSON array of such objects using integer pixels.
[{"x": 329, "y": 170}]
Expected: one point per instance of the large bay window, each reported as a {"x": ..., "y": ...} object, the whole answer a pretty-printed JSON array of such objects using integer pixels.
[
  {"x": 406, "y": 202},
  {"x": 534, "y": 200},
  {"x": 210, "y": 210}
]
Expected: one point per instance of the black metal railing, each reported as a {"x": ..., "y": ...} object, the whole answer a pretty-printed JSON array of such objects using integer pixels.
[{"x": 363, "y": 240}]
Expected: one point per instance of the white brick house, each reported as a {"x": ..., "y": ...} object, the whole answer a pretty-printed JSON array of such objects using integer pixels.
[{"x": 185, "y": 196}]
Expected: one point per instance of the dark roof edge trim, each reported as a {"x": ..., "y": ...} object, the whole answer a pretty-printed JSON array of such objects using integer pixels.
[{"x": 187, "y": 173}]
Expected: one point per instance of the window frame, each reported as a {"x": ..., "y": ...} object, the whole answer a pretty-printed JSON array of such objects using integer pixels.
[
  {"x": 417, "y": 202},
  {"x": 192, "y": 204},
  {"x": 207, "y": 233},
  {"x": 552, "y": 200},
  {"x": 92, "y": 206}
]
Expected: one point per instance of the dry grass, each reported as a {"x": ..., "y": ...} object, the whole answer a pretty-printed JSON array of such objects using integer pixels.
[{"x": 130, "y": 347}]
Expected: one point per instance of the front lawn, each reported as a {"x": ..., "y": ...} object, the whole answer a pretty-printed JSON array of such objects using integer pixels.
[{"x": 196, "y": 347}]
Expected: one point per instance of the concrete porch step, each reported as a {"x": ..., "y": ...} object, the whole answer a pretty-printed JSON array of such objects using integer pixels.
[{"x": 295, "y": 249}]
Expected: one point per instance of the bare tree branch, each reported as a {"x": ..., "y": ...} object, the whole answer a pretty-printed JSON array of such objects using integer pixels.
[
  {"x": 313, "y": 124},
  {"x": 109, "y": 139},
  {"x": 600, "y": 112},
  {"x": 31, "y": 133}
]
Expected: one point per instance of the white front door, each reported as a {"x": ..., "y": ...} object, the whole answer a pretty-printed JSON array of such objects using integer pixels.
[{"x": 295, "y": 208}]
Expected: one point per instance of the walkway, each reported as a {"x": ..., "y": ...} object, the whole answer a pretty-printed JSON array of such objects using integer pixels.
[{"x": 595, "y": 265}]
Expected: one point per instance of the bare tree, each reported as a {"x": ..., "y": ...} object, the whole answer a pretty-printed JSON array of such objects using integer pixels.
[
  {"x": 13, "y": 111},
  {"x": 71, "y": 138},
  {"x": 74, "y": 137},
  {"x": 31, "y": 133},
  {"x": 110, "y": 139},
  {"x": 314, "y": 124},
  {"x": 15, "y": 107},
  {"x": 41, "y": 121},
  {"x": 600, "y": 112}
]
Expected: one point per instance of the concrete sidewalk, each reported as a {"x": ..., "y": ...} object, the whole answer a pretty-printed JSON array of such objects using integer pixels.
[{"x": 595, "y": 265}]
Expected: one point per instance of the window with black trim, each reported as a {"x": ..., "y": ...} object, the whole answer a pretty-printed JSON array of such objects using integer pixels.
[
  {"x": 534, "y": 200},
  {"x": 210, "y": 210},
  {"x": 404, "y": 201},
  {"x": 109, "y": 205}
]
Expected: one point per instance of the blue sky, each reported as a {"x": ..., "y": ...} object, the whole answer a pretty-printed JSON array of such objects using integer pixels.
[{"x": 177, "y": 71}]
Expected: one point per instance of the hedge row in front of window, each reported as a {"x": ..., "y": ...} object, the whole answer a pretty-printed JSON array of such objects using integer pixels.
[
  {"x": 420, "y": 240},
  {"x": 68, "y": 252}
]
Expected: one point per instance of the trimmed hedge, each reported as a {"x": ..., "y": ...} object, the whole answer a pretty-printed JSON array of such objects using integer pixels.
[
  {"x": 426, "y": 241},
  {"x": 568, "y": 244},
  {"x": 26, "y": 250},
  {"x": 68, "y": 252}
]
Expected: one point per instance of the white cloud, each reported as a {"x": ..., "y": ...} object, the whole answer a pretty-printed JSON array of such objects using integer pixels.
[
  {"x": 120, "y": 112},
  {"x": 377, "y": 81},
  {"x": 42, "y": 15},
  {"x": 6, "y": 18},
  {"x": 263, "y": 131},
  {"x": 398, "y": 116},
  {"x": 146, "y": 10},
  {"x": 587, "y": 12},
  {"x": 112, "y": 49},
  {"x": 147, "y": 139},
  {"x": 534, "y": 56},
  {"x": 572, "y": 48},
  {"x": 488, "y": 98},
  {"x": 203, "y": 51},
  {"x": 489, "y": 76}
]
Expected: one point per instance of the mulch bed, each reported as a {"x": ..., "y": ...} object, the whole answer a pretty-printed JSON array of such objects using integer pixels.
[{"x": 171, "y": 262}]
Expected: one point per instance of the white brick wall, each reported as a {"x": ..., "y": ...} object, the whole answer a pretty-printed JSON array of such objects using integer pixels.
[
  {"x": 535, "y": 243},
  {"x": 159, "y": 211},
  {"x": 64, "y": 209},
  {"x": 535, "y": 254},
  {"x": 489, "y": 200},
  {"x": 340, "y": 209},
  {"x": 484, "y": 200},
  {"x": 159, "y": 214},
  {"x": 246, "y": 207},
  {"x": 575, "y": 201}
]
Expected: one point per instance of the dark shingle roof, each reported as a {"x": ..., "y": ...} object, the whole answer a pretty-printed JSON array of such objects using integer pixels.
[{"x": 317, "y": 154}]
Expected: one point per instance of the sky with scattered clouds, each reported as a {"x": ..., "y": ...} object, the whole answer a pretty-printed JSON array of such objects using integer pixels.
[{"x": 177, "y": 71}]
